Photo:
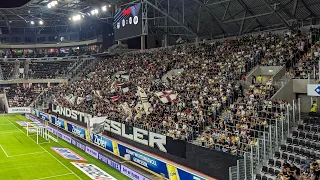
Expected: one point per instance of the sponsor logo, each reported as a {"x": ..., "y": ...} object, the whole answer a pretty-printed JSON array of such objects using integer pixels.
[{"x": 69, "y": 113}]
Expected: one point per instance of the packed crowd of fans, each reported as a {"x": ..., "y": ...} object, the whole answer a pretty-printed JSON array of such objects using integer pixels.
[
  {"x": 22, "y": 95},
  {"x": 208, "y": 84},
  {"x": 7, "y": 69}
]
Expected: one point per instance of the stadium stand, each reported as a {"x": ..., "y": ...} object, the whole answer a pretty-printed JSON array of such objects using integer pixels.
[
  {"x": 197, "y": 96},
  {"x": 49, "y": 69}
]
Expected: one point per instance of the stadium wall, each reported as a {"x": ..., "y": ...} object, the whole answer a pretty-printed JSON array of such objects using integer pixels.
[{"x": 141, "y": 158}]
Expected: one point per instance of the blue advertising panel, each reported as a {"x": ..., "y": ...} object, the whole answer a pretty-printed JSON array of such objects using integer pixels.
[
  {"x": 156, "y": 165},
  {"x": 76, "y": 130},
  {"x": 102, "y": 142}
]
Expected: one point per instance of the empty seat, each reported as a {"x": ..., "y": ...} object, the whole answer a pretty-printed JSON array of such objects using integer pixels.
[
  {"x": 309, "y": 136},
  {"x": 302, "y": 143},
  {"x": 277, "y": 155},
  {"x": 278, "y": 164},
  {"x": 315, "y": 137},
  {"x": 308, "y": 144},
  {"x": 307, "y": 128},
  {"x": 258, "y": 177},
  {"x": 265, "y": 169},
  {"x": 264, "y": 178},
  {"x": 284, "y": 156},
  {"x": 283, "y": 147},
  {"x": 301, "y": 127},
  {"x": 296, "y": 150},
  {"x": 290, "y": 148},
  {"x": 291, "y": 158},
  {"x": 314, "y": 146},
  {"x": 295, "y": 134},
  {"x": 289, "y": 140},
  {"x": 271, "y": 171},
  {"x": 314, "y": 129},
  {"x": 271, "y": 162},
  {"x": 297, "y": 160},
  {"x": 295, "y": 141},
  {"x": 302, "y": 135}
]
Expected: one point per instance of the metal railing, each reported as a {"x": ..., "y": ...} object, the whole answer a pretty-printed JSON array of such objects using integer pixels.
[{"x": 267, "y": 144}]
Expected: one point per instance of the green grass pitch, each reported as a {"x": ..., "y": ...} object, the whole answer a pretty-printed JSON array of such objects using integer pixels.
[{"x": 22, "y": 158}]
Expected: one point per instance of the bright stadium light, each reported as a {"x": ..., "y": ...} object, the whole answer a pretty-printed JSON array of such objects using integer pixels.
[
  {"x": 104, "y": 8},
  {"x": 94, "y": 12},
  {"x": 41, "y": 22},
  {"x": 49, "y": 5},
  {"x": 76, "y": 18},
  {"x": 32, "y": 22},
  {"x": 52, "y": 4},
  {"x": 109, "y": 5}
]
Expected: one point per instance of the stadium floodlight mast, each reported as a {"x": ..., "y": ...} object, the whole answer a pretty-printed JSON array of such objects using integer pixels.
[
  {"x": 32, "y": 22},
  {"x": 40, "y": 22}
]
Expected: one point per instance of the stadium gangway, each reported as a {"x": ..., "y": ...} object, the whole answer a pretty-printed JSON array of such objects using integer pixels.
[{"x": 252, "y": 161}]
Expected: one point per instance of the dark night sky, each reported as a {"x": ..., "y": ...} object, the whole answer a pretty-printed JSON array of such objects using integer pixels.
[{"x": 12, "y": 3}]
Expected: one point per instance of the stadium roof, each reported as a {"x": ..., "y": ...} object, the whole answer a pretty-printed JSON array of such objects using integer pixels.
[{"x": 188, "y": 18}]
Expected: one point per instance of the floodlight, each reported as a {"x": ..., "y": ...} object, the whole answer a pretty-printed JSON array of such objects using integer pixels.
[
  {"x": 32, "y": 22},
  {"x": 109, "y": 5},
  {"x": 104, "y": 8},
  {"x": 41, "y": 22},
  {"x": 92, "y": 12},
  {"x": 49, "y": 5}
]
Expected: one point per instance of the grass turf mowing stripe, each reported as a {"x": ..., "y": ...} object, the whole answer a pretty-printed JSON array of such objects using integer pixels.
[{"x": 41, "y": 165}]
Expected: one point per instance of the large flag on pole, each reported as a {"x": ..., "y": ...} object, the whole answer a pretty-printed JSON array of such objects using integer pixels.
[
  {"x": 70, "y": 98},
  {"x": 166, "y": 96},
  {"x": 144, "y": 100}
]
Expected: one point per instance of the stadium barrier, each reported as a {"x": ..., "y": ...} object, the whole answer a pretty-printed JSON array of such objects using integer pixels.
[
  {"x": 142, "y": 158},
  {"x": 119, "y": 167}
]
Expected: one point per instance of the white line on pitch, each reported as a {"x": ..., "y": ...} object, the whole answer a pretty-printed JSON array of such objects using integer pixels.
[
  {"x": 9, "y": 132},
  {"x": 4, "y": 151},
  {"x": 53, "y": 176},
  {"x": 44, "y": 149},
  {"x": 27, "y": 154}
]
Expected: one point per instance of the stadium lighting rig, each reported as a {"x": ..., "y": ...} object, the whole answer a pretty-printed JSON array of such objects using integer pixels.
[{"x": 52, "y": 4}]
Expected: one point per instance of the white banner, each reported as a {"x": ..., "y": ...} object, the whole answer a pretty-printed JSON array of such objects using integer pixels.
[
  {"x": 313, "y": 89},
  {"x": 19, "y": 110},
  {"x": 96, "y": 124}
]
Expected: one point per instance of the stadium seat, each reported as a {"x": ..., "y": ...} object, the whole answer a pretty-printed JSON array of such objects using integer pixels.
[
  {"x": 271, "y": 171},
  {"x": 265, "y": 169},
  {"x": 309, "y": 136},
  {"x": 314, "y": 129},
  {"x": 315, "y": 137},
  {"x": 258, "y": 177},
  {"x": 289, "y": 140},
  {"x": 278, "y": 164},
  {"x": 302, "y": 143},
  {"x": 295, "y": 141},
  {"x": 277, "y": 155},
  {"x": 264, "y": 178},
  {"x": 302, "y": 135},
  {"x": 301, "y": 127},
  {"x": 284, "y": 156},
  {"x": 291, "y": 158},
  {"x": 290, "y": 148},
  {"x": 307, "y": 128},
  {"x": 283, "y": 148},
  {"x": 271, "y": 162},
  {"x": 297, "y": 160},
  {"x": 276, "y": 172},
  {"x": 295, "y": 134}
]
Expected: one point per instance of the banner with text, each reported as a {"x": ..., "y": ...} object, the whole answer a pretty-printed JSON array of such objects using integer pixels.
[{"x": 19, "y": 110}]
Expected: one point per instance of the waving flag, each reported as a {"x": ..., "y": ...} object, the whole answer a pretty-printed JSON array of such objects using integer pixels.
[
  {"x": 70, "y": 98},
  {"x": 166, "y": 96},
  {"x": 115, "y": 98},
  {"x": 144, "y": 100}
]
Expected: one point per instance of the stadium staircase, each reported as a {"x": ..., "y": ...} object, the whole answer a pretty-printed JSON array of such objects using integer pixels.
[{"x": 301, "y": 146}]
